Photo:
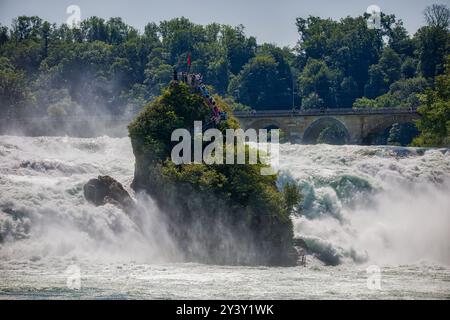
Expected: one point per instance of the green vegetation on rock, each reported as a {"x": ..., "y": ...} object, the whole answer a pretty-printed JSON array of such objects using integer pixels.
[{"x": 228, "y": 214}]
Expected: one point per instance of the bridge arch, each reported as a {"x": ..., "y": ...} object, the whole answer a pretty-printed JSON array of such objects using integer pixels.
[
  {"x": 266, "y": 124},
  {"x": 379, "y": 131},
  {"x": 319, "y": 126}
]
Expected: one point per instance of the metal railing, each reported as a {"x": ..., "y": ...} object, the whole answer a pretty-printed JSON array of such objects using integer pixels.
[
  {"x": 316, "y": 112},
  {"x": 238, "y": 114}
]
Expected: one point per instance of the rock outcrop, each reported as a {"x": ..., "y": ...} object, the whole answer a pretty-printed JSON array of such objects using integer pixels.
[
  {"x": 105, "y": 189},
  {"x": 219, "y": 213}
]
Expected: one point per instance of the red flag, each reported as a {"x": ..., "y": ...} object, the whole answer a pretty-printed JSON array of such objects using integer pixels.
[{"x": 189, "y": 59}]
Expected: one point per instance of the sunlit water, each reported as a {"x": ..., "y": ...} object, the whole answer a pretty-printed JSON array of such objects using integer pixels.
[{"x": 362, "y": 206}]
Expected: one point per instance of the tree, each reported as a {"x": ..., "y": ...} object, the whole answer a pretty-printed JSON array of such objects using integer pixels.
[
  {"x": 317, "y": 78},
  {"x": 211, "y": 59},
  {"x": 346, "y": 46},
  {"x": 14, "y": 91},
  {"x": 390, "y": 64},
  {"x": 265, "y": 82},
  {"x": 3, "y": 34},
  {"x": 399, "y": 40},
  {"x": 117, "y": 31},
  {"x": 94, "y": 29},
  {"x": 376, "y": 85},
  {"x": 433, "y": 40},
  {"x": 255, "y": 84},
  {"x": 108, "y": 65},
  {"x": 433, "y": 43},
  {"x": 283, "y": 78},
  {"x": 434, "y": 125},
  {"x": 383, "y": 74},
  {"x": 312, "y": 101},
  {"x": 24, "y": 28},
  {"x": 179, "y": 36},
  {"x": 401, "y": 134},
  {"x": 292, "y": 195},
  {"x": 402, "y": 94},
  {"x": 347, "y": 92},
  {"x": 157, "y": 73},
  {"x": 437, "y": 15},
  {"x": 45, "y": 35},
  {"x": 239, "y": 48},
  {"x": 409, "y": 67}
]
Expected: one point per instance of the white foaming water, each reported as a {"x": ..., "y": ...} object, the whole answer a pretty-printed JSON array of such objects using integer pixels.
[
  {"x": 382, "y": 205},
  {"x": 43, "y": 212},
  {"x": 375, "y": 205}
]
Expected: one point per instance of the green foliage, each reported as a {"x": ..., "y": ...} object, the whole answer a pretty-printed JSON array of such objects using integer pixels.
[
  {"x": 409, "y": 67},
  {"x": 347, "y": 48},
  {"x": 390, "y": 64},
  {"x": 239, "y": 48},
  {"x": 14, "y": 94},
  {"x": 364, "y": 103},
  {"x": 401, "y": 134},
  {"x": 108, "y": 66},
  {"x": 383, "y": 74},
  {"x": 63, "y": 105},
  {"x": 332, "y": 135},
  {"x": 235, "y": 196},
  {"x": 435, "y": 110},
  {"x": 264, "y": 83},
  {"x": 344, "y": 62},
  {"x": 292, "y": 196},
  {"x": 376, "y": 85},
  {"x": 433, "y": 46},
  {"x": 312, "y": 101},
  {"x": 317, "y": 79},
  {"x": 402, "y": 94},
  {"x": 433, "y": 40},
  {"x": 3, "y": 34}
]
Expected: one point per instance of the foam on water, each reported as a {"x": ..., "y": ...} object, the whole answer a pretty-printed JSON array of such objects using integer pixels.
[
  {"x": 43, "y": 212},
  {"x": 369, "y": 205},
  {"x": 383, "y": 205}
]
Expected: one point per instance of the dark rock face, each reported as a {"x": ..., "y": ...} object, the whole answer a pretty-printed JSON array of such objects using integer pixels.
[
  {"x": 301, "y": 244},
  {"x": 104, "y": 190}
]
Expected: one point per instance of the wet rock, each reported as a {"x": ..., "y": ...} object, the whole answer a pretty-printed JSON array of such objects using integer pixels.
[
  {"x": 106, "y": 189},
  {"x": 301, "y": 244}
]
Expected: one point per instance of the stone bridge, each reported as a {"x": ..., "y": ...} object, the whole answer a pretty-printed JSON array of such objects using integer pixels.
[{"x": 305, "y": 126}]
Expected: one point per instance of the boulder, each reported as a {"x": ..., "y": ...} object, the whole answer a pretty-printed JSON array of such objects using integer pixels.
[{"x": 106, "y": 189}]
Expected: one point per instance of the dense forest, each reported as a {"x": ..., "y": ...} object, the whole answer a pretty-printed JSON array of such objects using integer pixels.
[{"x": 108, "y": 66}]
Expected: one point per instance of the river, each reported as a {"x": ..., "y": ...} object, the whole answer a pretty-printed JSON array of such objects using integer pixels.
[{"x": 364, "y": 208}]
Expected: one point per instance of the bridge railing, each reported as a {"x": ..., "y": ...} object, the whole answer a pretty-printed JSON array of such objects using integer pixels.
[
  {"x": 239, "y": 114},
  {"x": 337, "y": 111}
]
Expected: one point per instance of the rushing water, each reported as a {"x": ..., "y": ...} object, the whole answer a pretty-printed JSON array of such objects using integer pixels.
[{"x": 362, "y": 206}]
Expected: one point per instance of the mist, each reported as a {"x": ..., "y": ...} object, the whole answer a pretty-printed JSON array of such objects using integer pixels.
[{"x": 379, "y": 205}]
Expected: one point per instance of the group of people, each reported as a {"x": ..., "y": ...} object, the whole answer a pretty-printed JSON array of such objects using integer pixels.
[
  {"x": 217, "y": 115},
  {"x": 195, "y": 80},
  {"x": 192, "y": 79}
]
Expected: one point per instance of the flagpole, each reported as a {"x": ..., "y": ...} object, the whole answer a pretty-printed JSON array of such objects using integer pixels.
[{"x": 189, "y": 62}]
